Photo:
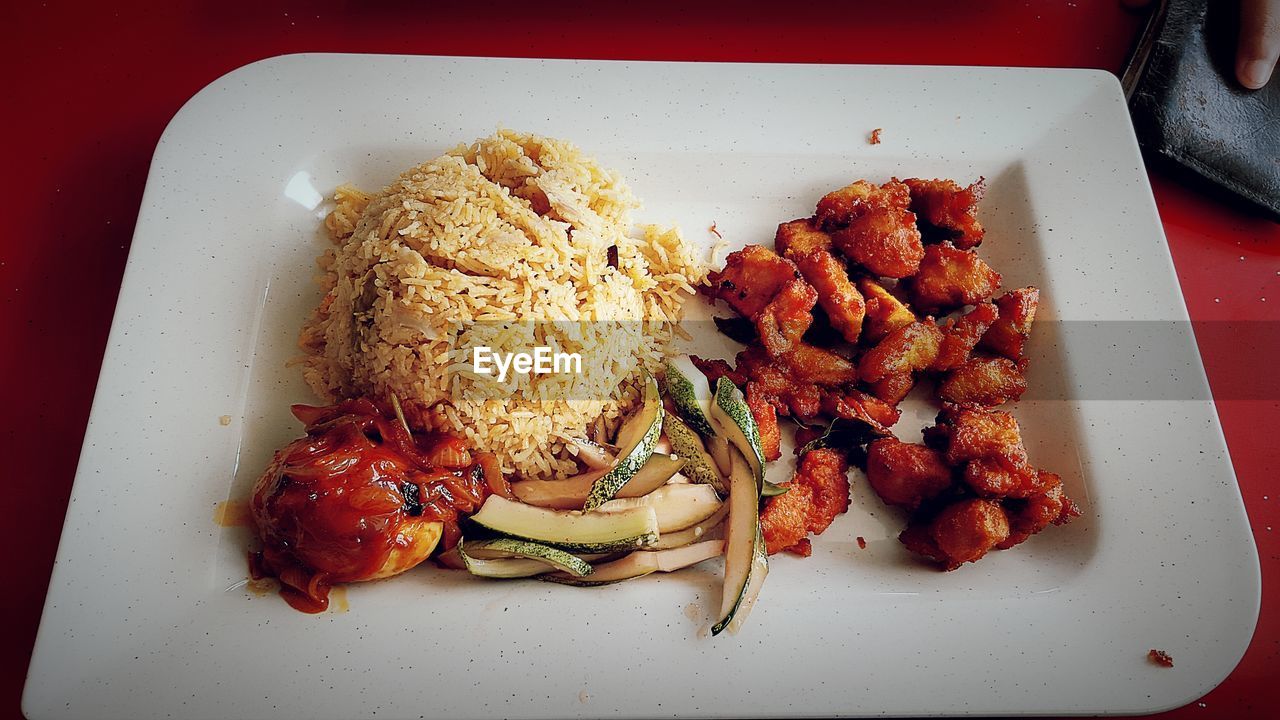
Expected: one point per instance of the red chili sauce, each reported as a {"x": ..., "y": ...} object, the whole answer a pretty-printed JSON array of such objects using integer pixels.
[{"x": 334, "y": 505}]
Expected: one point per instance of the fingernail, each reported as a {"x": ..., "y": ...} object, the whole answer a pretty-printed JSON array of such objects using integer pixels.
[{"x": 1255, "y": 73}]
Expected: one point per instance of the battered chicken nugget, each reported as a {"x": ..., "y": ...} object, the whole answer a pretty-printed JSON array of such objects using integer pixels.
[
  {"x": 767, "y": 420},
  {"x": 784, "y": 519},
  {"x": 826, "y": 472},
  {"x": 811, "y": 364},
  {"x": 997, "y": 477},
  {"x": 893, "y": 388},
  {"x": 905, "y": 350},
  {"x": 947, "y": 211},
  {"x": 962, "y": 335},
  {"x": 1030, "y": 516},
  {"x": 983, "y": 380},
  {"x": 949, "y": 278},
  {"x": 973, "y": 433},
  {"x": 842, "y": 302},
  {"x": 820, "y": 490},
  {"x": 884, "y": 312},
  {"x": 1008, "y": 335},
  {"x": 783, "y": 321},
  {"x": 751, "y": 278},
  {"x": 799, "y": 237},
  {"x": 883, "y": 240},
  {"x": 800, "y": 399},
  {"x": 838, "y": 207},
  {"x": 906, "y": 474},
  {"x": 966, "y": 530},
  {"x": 857, "y": 405}
]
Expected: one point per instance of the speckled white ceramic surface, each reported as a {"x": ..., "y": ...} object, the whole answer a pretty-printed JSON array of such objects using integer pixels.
[{"x": 147, "y": 615}]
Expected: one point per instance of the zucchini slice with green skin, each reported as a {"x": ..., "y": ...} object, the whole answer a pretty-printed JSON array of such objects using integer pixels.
[
  {"x": 759, "y": 571},
  {"x": 731, "y": 414},
  {"x": 506, "y": 548},
  {"x": 641, "y": 563},
  {"x": 571, "y": 493},
  {"x": 699, "y": 467},
  {"x": 678, "y": 506},
  {"x": 593, "y": 454},
  {"x": 733, "y": 417},
  {"x": 570, "y": 530},
  {"x": 506, "y": 568},
  {"x": 690, "y": 392},
  {"x": 741, "y": 559},
  {"x": 692, "y": 534},
  {"x": 636, "y": 440}
]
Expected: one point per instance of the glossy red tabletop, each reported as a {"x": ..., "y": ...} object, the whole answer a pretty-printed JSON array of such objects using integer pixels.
[{"x": 90, "y": 87}]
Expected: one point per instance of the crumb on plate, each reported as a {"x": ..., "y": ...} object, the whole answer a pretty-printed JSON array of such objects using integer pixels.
[
  {"x": 1160, "y": 657},
  {"x": 224, "y": 420},
  {"x": 874, "y": 139}
]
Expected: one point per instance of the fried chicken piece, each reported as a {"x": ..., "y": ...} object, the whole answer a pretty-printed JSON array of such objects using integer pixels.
[
  {"x": 966, "y": 530},
  {"x": 799, "y": 237},
  {"x": 821, "y": 492},
  {"x": 949, "y": 278},
  {"x": 784, "y": 519},
  {"x": 961, "y": 336},
  {"x": 767, "y": 420},
  {"x": 908, "y": 349},
  {"x": 1008, "y": 335},
  {"x": 857, "y": 405},
  {"x": 809, "y": 364},
  {"x": 973, "y": 433},
  {"x": 826, "y": 472},
  {"x": 751, "y": 278},
  {"x": 983, "y": 380},
  {"x": 838, "y": 207},
  {"x": 884, "y": 312},
  {"x": 906, "y": 474},
  {"x": 1037, "y": 512},
  {"x": 842, "y": 302},
  {"x": 883, "y": 240},
  {"x": 893, "y": 388},
  {"x": 998, "y": 477},
  {"x": 798, "y": 398},
  {"x": 872, "y": 226},
  {"x": 785, "y": 319},
  {"x": 962, "y": 532},
  {"x": 947, "y": 211}
]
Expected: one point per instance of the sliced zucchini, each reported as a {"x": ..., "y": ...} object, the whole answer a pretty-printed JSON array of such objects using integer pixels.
[
  {"x": 570, "y": 530},
  {"x": 733, "y": 418},
  {"x": 506, "y": 547},
  {"x": 593, "y": 454},
  {"x": 699, "y": 467},
  {"x": 740, "y": 560},
  {"x": 677, "y": 506},
  {"x": 643, "y": 562},
  {"x": 572, "y": 493},
  {"x": 506, "y": 567},
  {"x": 759, "y": 571},
  {"x": 692, "y": 534},
  {"x": 636, "y": 440},
  {"x": 689, "y": 391}
]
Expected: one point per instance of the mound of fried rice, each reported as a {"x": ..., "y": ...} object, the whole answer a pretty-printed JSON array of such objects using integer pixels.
[{"x": 508, "y": 243}]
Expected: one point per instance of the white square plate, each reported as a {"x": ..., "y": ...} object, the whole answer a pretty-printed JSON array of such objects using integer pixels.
[{"x": 147, "y": 618}]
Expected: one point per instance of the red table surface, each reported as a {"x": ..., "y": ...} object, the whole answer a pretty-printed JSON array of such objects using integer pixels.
[{"x": 90, "y": 87}]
